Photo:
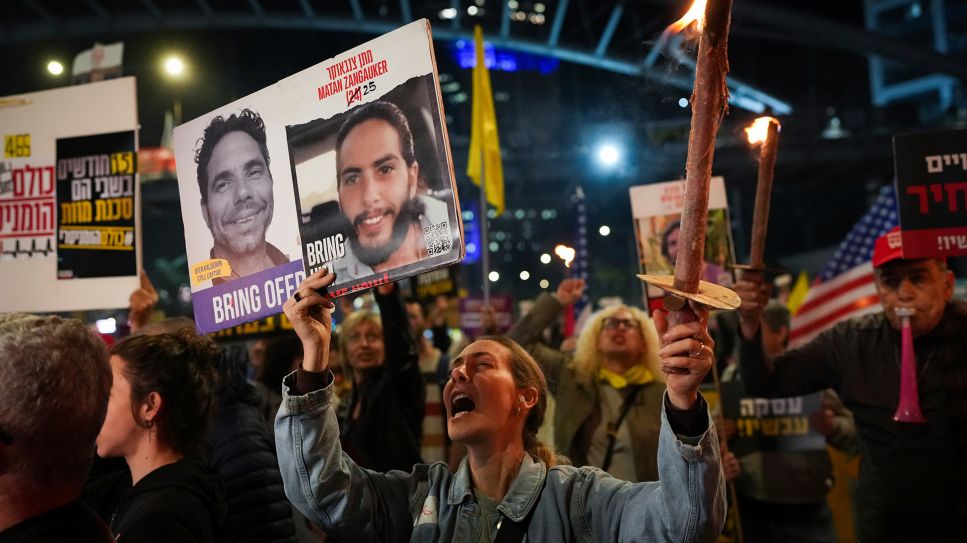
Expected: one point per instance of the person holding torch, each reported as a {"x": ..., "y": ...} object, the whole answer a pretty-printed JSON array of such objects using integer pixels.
[
  {"x": 510, "y": 485},
  {"x": 912, "y": 477}
]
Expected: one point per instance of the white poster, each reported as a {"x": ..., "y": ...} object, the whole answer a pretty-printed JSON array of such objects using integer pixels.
[
  {"x": 69, "y": 198},
  {"x": 344, "y": 165},
  {"x": 657, "y": 209}
]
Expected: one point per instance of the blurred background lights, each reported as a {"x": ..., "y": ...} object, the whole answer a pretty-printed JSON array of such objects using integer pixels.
[
  {"x": 608, "y": 154},
  {"x": 174, "y": 66},
  {"x": 55, "y": 68}
]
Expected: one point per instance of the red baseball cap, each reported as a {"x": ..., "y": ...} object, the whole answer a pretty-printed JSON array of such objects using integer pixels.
[{"x": 888, "y": 247}]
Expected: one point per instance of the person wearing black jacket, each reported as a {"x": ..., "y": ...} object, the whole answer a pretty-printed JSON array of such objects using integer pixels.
[
  {"x": 243, "y": 454},
  {"x": 161, "y": 406},
  {"x": 381, "y": 425}
]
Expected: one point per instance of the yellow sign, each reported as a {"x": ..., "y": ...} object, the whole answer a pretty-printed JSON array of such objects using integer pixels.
[
  {"x": 16, "y": 145},
  {"x": 122, "y": 162},
  {"x": 210, "y": 269}
]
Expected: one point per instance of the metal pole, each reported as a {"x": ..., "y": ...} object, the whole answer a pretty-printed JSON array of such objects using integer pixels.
[{"x": 484, "y": 229}]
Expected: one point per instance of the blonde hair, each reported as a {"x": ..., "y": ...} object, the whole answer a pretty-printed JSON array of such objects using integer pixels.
[
  {"x": 527, "y": 373},
  {"x": 587, "y": 358},
  {"x": 348, "y": 325}
]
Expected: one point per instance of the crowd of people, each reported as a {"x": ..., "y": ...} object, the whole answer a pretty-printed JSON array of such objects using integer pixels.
[{"x": 382, "y": 428}]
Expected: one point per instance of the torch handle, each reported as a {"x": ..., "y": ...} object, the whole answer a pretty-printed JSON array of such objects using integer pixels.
[{"x": 763, "y": 194}]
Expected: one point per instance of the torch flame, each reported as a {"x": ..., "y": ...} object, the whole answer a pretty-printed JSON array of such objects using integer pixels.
[
  {"x": 565, "y": 253},
  {"x": 758, "y": 132},
  {"x": 695, "y": 14}
]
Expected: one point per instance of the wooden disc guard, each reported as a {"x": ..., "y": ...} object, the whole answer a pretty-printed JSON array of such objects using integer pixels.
[{"x": 709, "y": 294}]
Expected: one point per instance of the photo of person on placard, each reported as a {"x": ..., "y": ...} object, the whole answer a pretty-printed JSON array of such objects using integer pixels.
[
  {"x": 374, "y": 187},
  {"x": 237, "y": 199},
  {"x": 378, "y": 178}
]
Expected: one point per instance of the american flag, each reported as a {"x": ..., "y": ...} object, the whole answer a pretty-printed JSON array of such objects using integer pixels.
[
  {"x": 845, "y": 287},
  {"x": 576, "y": 317}
]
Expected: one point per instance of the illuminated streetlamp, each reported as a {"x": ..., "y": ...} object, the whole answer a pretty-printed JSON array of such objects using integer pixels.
[
  {"x": 55, "y": 67},
  {"x": 174, "y": 68}
]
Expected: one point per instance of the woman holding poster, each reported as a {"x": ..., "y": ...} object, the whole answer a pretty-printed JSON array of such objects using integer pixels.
[{"x": 509, "y": 484}]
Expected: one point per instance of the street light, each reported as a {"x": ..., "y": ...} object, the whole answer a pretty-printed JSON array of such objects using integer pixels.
[
  {"x": 55, "y": 68},
  {"x": 608, "y": 154},
  {"x": 174, "y": 66}
]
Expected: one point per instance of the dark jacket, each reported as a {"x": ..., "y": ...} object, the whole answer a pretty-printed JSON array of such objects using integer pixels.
[
  {"x": 243, "y": 454},
  {"x": 388, "y": 432},
  {"x": 72, "y": 523},
  {"x": 179, "y": 502},
  {"x": 911, "y": 475}
]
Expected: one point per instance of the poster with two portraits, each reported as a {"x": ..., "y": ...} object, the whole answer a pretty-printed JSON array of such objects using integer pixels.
[{"x": 344, "y": 165}]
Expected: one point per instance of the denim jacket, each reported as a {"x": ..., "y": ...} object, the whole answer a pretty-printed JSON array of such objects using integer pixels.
[{"x": 431, "y": 504}]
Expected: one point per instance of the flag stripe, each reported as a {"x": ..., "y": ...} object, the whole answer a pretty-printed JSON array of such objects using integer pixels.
[
  {"x": 803, "y": 339},
  {"x": 838, "y": 289},
  {"x": 838, "y": 314},
  {"x": 806, "y": 319}
]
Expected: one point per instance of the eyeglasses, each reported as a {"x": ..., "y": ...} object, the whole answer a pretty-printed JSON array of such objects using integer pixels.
[
  {"x": 370, "y": 337},
  {"x": 612, "y": 323}
]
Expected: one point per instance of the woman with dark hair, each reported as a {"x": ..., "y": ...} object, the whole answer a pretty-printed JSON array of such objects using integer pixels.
[
  {"x": 509, "y": 485},
  {"x": 161, "y": 406}
]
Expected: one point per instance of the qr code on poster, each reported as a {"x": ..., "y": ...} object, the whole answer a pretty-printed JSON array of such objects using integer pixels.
[{"x": 437, "y": 238}]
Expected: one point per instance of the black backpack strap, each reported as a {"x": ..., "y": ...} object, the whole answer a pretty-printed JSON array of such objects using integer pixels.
[{"x": 613, "y": 426}]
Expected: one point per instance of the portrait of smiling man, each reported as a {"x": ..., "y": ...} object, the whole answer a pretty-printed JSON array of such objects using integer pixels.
[
  {"x": 236, "y": 193},
  {"x": 378, "y": 182}
]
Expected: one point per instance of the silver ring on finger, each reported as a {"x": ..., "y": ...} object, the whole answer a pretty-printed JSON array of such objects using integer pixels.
[{"x": 698, "y": 353}]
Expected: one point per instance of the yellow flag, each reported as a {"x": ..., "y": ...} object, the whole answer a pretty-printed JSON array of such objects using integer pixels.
[
  {"x": 798, "y": 293},
  {"x": 484, "y": 160}
]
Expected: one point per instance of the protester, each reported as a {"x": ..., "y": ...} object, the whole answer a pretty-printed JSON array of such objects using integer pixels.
[
  {"x": 509, "y": 481},
  {"x": 912, "y": 476},
  {"x": 161, "y": 406},
  {"x": 609, "y": 392},
  {"x": 382, "y": 422},
  {"x": 782, "y": 493},
  {"x": 54, "y": 385},
  {"x": 434, "y": 366}
]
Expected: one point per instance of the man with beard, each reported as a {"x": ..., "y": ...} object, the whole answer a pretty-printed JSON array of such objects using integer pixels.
[
  {"x": 236, "y": 193},
  {"x": 378, "y": 181}
]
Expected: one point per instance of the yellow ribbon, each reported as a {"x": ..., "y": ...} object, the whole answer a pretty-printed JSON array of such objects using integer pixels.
[{"x": 637, "y": 375}]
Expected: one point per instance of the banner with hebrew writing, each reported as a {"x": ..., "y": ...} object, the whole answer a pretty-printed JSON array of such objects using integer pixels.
[
  {"x": 95, "y": 196},
  {"x": 931, "y": 192},
  {"x": 771, "y": 424},
  {"x": 69, "y": 198}
]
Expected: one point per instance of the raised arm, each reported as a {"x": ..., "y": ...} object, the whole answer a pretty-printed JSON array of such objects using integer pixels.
[
  {"x": 810, "y": 368},
  {"x": 352, "y": 503},
  {"x": 528, "y": 330},
  {"x": 402, "y": 352}
]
